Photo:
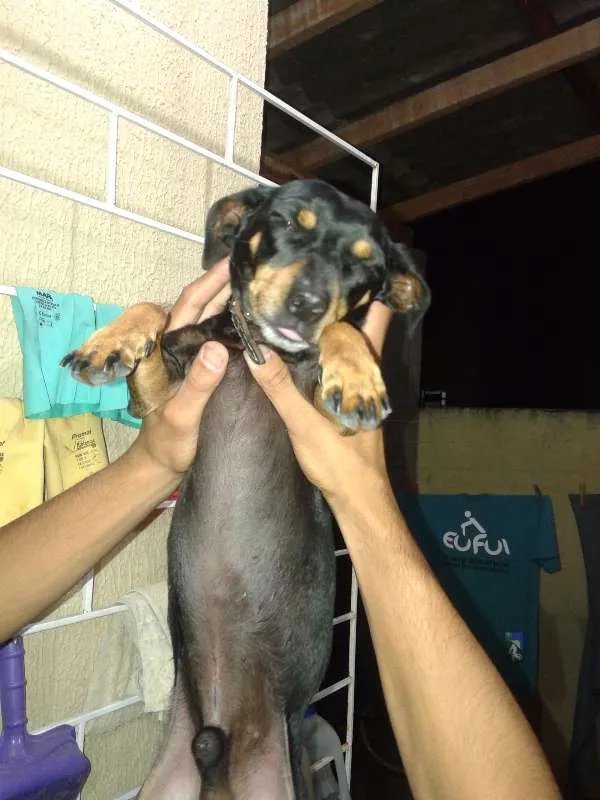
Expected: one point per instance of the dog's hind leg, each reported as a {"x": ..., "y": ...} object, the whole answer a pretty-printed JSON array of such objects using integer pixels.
[
  {"x": 175, "y": 776},
  {"x": 300, "y": 773},
  {"x": 263, "y": 772}
]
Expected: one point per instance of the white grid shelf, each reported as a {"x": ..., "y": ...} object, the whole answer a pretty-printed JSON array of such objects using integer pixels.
[{"x": 115, "y": 113}]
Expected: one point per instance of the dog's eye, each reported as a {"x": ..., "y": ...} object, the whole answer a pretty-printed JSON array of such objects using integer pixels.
[{"x": 282, "y": 219}]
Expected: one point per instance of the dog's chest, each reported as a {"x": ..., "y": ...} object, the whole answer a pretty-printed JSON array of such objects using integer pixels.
[{"x": 246, "y": 518}]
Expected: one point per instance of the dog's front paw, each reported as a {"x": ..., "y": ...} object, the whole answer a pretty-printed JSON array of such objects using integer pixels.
[
  {"x": 115, "y": 350},
  {"x": 351, "y": 391},
  {"x": 354, "y": 394}
]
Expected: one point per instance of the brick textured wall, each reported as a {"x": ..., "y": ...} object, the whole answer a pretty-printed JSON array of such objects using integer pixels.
[{"x": 50, "y": 243}]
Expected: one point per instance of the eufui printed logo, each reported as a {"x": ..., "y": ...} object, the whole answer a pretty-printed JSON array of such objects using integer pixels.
[{"x": 474, "y": 538}]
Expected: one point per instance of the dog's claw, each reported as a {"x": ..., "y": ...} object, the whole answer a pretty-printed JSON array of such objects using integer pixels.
[
  {"x": 111, "y": 360},
  {"x": 372, "y": 410},
  {"x": 358, "y": 402},
  {"x": 336, "y": 400}
]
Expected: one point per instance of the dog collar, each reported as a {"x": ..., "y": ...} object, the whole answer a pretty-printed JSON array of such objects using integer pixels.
[{"x": 240, "y": 323}]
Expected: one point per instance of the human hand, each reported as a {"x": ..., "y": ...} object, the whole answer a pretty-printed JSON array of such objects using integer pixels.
[
  {"x": 338, "y": 465},
  {"x": 169, "y": 435}
]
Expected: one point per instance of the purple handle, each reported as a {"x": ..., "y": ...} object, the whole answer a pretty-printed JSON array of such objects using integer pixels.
[{"x": 12, "y": 687}]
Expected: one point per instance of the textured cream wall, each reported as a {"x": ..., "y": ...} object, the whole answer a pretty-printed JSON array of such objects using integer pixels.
[
  {"x": 507, "y": 452},
  {"x": 48, "y": 242}
]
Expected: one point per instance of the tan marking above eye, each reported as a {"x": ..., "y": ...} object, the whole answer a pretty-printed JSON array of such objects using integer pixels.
[
  {"x": 307, "y": 218},
  {"x": 255, "y": 242},
  {"x": 361, "y": 248},
  {"x": 364, "y": 299}
]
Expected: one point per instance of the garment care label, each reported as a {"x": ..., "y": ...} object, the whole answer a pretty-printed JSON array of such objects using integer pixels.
[
  {"x": 74, "y": 449},
  {"x": 47, "y": 309},
  {"x": 89, "y": 458}
]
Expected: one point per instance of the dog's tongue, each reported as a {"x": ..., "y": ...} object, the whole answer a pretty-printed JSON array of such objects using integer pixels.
[{"x": 290, "y": 333}]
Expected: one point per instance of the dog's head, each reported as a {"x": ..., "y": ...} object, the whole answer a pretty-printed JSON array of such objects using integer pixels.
[{"x": 303, "y": 255}]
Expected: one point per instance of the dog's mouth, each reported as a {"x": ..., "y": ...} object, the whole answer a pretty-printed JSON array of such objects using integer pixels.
[
  {"x": 284, "y": 337},
  {"x": 290, "y": 333},
  {"x": 280, "y": 333}
]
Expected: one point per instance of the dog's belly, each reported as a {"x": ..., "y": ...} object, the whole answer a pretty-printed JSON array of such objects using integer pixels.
[{"x": 251, "y": 567}]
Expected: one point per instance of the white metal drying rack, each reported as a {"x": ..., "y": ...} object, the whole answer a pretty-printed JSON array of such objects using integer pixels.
[{"x": 109, "y": 205}]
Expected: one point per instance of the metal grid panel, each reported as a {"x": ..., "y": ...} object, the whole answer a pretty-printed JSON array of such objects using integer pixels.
[{"x": 114, "y": 113}]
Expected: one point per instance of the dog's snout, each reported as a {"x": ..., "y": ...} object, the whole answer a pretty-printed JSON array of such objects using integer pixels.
[{"x": 307, "y": 304}]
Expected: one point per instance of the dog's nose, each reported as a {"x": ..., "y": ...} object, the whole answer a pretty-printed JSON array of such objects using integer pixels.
[{"x": 307, "y": 305}]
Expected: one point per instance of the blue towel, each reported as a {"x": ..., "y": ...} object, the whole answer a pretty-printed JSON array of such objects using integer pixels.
[{"x": 50, "y": 325}]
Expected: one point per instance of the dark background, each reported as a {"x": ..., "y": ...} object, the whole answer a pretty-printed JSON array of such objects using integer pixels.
[{"x": 514, "y": 278}]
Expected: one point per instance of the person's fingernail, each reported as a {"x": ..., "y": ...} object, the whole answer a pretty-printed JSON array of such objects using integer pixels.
[
  {"x": 214, "y": 356},
  {"x": 266, "y": 354}
]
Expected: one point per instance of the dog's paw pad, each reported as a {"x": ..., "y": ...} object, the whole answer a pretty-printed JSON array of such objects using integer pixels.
[{"x": 354, "y": 395}]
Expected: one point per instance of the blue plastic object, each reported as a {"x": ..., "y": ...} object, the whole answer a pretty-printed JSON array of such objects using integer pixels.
[{"x": 44, "y": 766}]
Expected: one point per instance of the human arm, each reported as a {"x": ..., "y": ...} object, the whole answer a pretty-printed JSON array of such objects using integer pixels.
[
  {"x": 459, "y": 730},
  {"x": 48, "y": 550}
]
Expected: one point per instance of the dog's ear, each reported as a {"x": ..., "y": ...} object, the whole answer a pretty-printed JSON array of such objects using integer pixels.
[
  {"x": 226, "y": 217},
  {"x": 405, "y": 290}
]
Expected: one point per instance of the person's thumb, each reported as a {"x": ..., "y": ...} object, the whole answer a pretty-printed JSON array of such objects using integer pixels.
[
  {"x": 202, "y": 379},
  {"x": 275, "y": 380}
]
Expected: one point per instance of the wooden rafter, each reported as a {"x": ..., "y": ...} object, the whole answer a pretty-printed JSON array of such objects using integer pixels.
[
  {"x": 305, "y": 19},
  {"x": 543, "y": 26},
  {"x": 496, "y": 180},
  {"x": 277, "y": 169},
  {"x": 528, "y": 64}
]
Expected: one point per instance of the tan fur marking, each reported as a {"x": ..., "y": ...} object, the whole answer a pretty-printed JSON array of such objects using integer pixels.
[
  {"x": 129, "y": 335},
  {"x": 349, "y": 367},
  {"x": 307, "y": 218},
  {"x": 270, "y": 286},
  {"x": 364, "y": 299},
  {"x": 361, "y": 248},
  {"x": 337, "y": 309},
  {"x": 254, "y": 242},
  {"x": 149, "y": 385},
  {"x": 230, "y": 213},
  {"x": 405, "y": 292}
]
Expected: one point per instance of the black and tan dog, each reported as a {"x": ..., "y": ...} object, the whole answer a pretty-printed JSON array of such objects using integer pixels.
[{"x": 251, "y": 559}]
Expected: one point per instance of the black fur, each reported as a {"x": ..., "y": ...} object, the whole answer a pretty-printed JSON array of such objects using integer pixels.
[{"x": 251, "y": 557}]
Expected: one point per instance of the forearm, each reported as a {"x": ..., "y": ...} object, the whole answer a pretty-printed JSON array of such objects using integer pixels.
[
  {"x": 460, "y": 732},
  {"x": 47, "y": 551}
]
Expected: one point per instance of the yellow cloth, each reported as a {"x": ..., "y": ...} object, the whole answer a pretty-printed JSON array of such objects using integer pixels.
[
  {"x": 134, "y": 657},
  {"x": 74, "y": 448},
  {"x": 21, "y": 461}
]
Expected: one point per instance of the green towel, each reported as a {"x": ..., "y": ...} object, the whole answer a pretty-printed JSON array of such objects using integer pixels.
[
  {"x": 114, "y": 396},
  {"x": 49, "y": 325}
]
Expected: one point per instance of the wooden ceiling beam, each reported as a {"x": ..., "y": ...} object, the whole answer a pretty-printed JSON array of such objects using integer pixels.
[
  {"x": 496, "y": 180},
  {"x": 276, "y": 168},
  {"x": 543, "y": 25},
  {"x": 528, "y": 64},
  {"x": 306, "y": 19}
]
